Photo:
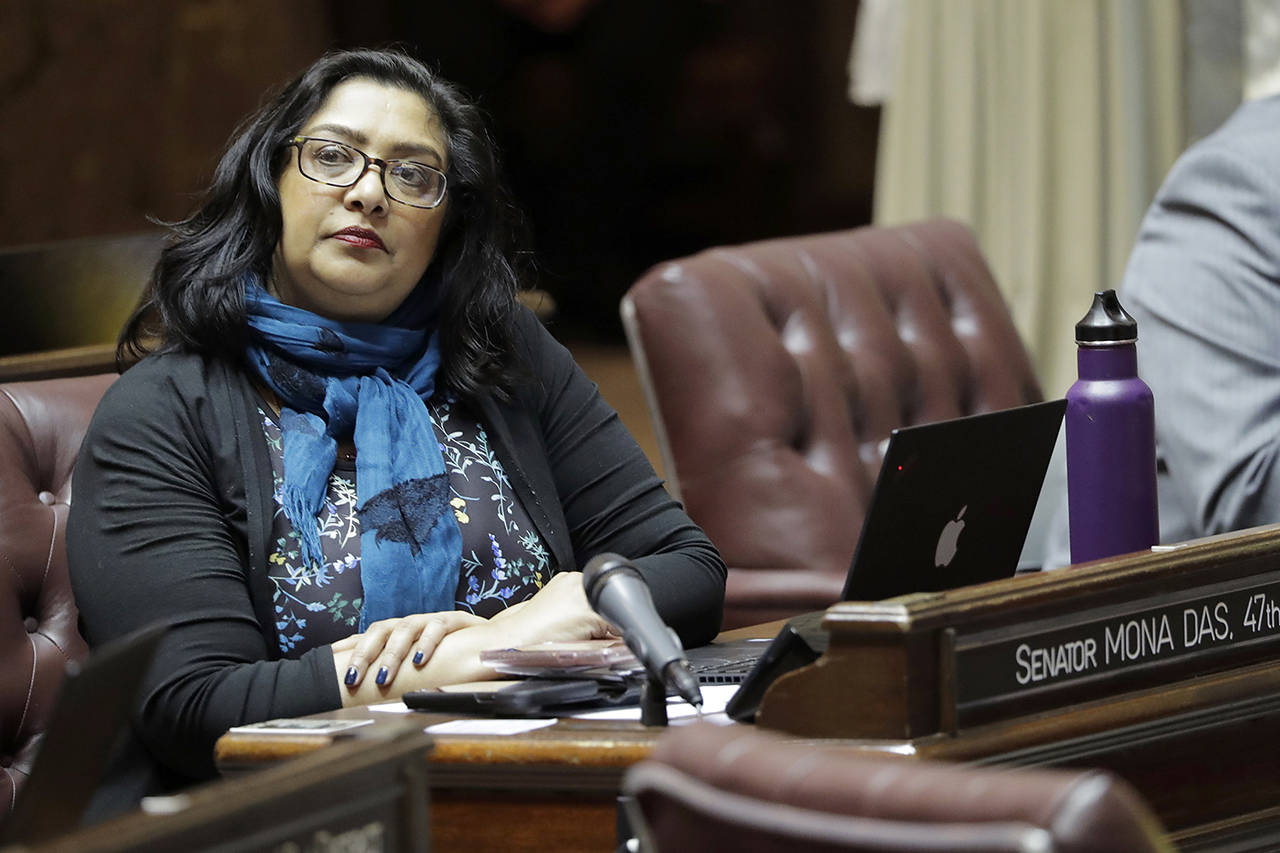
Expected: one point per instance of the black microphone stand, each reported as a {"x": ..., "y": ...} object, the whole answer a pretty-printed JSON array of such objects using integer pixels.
[{"x": 653, "y": 701}]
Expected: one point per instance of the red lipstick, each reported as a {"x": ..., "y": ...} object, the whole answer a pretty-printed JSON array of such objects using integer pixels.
[{"x": 361, "y": 237}]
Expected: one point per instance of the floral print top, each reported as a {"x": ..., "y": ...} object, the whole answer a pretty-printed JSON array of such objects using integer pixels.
[{"x": 504, "y": 560}]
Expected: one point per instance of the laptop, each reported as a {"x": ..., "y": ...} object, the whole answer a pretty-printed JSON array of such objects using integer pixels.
[
  {"x": 951, "y": 507},
  {"x": 92, "y": 710}
]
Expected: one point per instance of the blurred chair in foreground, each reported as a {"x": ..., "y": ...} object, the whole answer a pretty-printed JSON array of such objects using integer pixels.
[
  {"x": 715, "y": 788},
  {"x": 365, "y": 793},
  {"x": 41, "y": 427},
  {"x": 774, "y": 372}
]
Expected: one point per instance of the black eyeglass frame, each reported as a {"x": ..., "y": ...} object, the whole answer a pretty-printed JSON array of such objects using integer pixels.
[{"x": 298, "y": 141}]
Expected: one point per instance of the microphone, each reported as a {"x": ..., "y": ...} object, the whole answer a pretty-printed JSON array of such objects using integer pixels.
[{"x": 617, "y": 592}]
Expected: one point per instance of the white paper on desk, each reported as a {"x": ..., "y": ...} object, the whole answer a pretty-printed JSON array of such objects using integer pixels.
[
  {"x": 714, "y": 699},
  {"x": 396, "y": 707},
  {"x": 298, "y": 726},
  {"x": 488, "y": 726}
]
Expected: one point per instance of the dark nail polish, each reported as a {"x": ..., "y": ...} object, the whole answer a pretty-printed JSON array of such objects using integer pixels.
[
  {"x": 382, "y": 675},
  {"x": 351, "y": 675},
  {"x": 417, "y": 659}
]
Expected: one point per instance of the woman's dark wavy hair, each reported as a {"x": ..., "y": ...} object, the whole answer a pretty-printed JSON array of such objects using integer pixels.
[{"x": 195, "y": 300}]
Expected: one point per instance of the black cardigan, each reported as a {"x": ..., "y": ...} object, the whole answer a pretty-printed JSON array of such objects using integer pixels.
[{"x": 171, "y": 515}]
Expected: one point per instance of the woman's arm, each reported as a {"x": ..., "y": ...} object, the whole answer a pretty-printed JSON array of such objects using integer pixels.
[
  {"x": 157, "y": 535},
  {"x": 558, "y": 612},
  {"x": 614, "y": 501}
]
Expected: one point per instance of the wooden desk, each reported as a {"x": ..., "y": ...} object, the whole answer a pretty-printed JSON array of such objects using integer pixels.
[
  {"x": 554, "y": 788},
  {"x": 550, "y": 789},
  {"x": 1194, "y": 731}
]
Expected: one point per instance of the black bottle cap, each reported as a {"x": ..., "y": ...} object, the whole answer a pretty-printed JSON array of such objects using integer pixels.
[{"x": 1106, "y": 322}]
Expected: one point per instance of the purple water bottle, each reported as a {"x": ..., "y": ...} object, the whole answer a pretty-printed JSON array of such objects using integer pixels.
[{"x": 1111, "y": 442}]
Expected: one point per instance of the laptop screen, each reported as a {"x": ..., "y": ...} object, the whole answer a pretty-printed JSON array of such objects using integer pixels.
[
  {"x": 951, "y": 507},
  {"x": 953, "y": 502}
]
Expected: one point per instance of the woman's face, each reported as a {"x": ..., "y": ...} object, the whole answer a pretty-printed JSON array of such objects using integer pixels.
[{"x": 352, "y": 253}]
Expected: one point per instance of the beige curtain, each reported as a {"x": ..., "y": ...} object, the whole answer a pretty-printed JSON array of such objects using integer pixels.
[{"x": 1047, "y": 125}]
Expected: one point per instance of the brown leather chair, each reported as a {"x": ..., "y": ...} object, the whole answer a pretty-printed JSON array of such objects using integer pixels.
[
  {"x": 712, "y": 788},
  {"x": 41, "y": 426},
  {"x": 774, "y": 370}
]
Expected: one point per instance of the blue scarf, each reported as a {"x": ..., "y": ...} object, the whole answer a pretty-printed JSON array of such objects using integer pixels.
[{"x": 370, "y": 381}]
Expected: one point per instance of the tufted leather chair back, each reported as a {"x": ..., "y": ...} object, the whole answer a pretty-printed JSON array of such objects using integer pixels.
[
  {"x": 775, "y": 370},
  {"x": 41, "y": 426},
  {"x": 729, "y": 788}
]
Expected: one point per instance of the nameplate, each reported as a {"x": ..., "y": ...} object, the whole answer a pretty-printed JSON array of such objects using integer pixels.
[{"x": 1096, "y": 653}]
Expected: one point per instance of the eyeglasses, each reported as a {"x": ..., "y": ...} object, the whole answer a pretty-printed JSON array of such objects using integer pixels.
[{"x": 337, "y": 164}]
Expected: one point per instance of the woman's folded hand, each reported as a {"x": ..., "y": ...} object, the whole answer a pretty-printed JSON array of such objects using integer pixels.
[
  {"x": 385, "y": 645},
  {"x": 558, "y": 612}
]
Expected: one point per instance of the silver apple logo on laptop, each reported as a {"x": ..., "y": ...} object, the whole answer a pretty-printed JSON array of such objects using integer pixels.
[{"x": 946, "y": 550}]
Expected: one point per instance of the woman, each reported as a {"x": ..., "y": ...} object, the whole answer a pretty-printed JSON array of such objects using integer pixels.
[{"x": 269, "y": 482}]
